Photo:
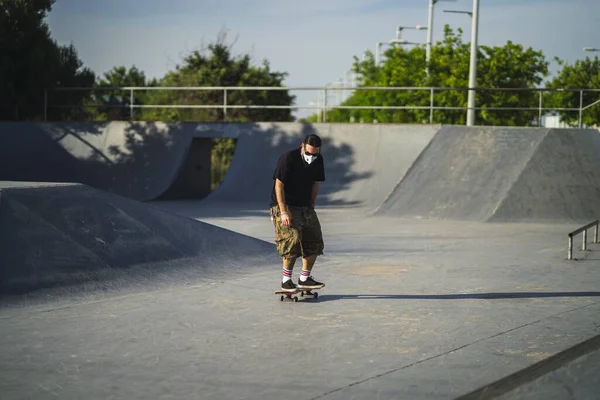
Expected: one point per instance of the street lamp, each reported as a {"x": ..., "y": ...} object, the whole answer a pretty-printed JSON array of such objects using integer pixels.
[
  {"x": 432, "y": 3},
  {"x": 401, "y": 42},
  {"x": 469, "y": 13},
  {"x": 473, "y": 64},
  {"x": 591, "y": 49},
  {"x": 401, "y": 28},
  {"x": 378, "y": 51}
]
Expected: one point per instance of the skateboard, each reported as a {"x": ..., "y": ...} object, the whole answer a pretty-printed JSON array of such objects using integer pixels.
[{"x": 303, "y": 292}]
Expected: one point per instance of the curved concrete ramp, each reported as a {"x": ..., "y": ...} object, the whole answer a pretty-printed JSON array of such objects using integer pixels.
[
  {"x": 150, "y": 160},
  {"x": 502, "y": 174},
  {"x": 363, "y": 163},
  {"x": 65, "y": 235},
  {"x": 139, "y": 160}
]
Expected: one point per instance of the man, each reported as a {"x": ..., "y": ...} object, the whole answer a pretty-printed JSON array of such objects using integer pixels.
[{"x": 297, "y": 228}]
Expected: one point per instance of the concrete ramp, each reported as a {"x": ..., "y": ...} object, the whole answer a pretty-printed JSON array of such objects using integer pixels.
[
  {"x": 151, "y": 160},
  {"x": 502, "y": 174},
  {"x": 363, "y": 163},
  {"x": 138, "y": 160},
  {"x": 64, "y": 235},
  {"x": 561, "y": 181}
]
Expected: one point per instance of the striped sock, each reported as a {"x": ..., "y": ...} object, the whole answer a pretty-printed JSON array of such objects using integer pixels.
[
  {"x": 287, "y": 274},
  {"x": 304, "y": 275}
]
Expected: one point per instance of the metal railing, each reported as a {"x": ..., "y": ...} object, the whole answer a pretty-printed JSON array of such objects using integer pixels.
[
  {"x": 325, "y": 107},
  {"x": 584, "y": 230}
]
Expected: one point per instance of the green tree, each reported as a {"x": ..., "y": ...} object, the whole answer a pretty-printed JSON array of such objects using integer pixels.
[
  {"x": 507, "y": 66},
  {"x": 582, "y": 74},
  {"x": 113, "y": 104},
  {"x": 32, "y": 62},
  {"x": 213, "y": 66},
  {"x": 217, "y": 66}
]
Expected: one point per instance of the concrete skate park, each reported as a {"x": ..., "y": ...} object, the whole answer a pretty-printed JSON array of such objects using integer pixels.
[{"x": 446, "y": 264}]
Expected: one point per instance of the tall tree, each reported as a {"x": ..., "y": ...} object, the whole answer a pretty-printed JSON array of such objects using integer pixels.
[
  {"x": 113, "y": 104},
  {"x": 32, "y": 62},
  {"x": 217, "y": 66},
  {"x": 508, "y": 66},
  {"x": 213, "y": 66},
  {"x": 582, "y": 74}
]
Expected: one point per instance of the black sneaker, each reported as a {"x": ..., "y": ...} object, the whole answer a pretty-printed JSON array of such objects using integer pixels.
[
  {"x": 310, "y": 283},
  {"x": 288, "y": 286}
]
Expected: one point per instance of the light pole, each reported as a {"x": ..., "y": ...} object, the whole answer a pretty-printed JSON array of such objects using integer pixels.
[
  {"x": 401, "y": 28},
  {"x": 469, "y": 13},
  {"x": 473, "y": 64},
  {"x": 432, "y": 4},
  {"x": 591, "y": 49},
  {"x": 401, "y": 42},
  {"x": 377, "y": 52}
]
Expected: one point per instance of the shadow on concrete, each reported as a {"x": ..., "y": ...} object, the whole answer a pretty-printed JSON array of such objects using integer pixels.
[
  {"x": 246, "y": 188},
  {"x": 137, "y": 160},
  {"x": 141, "y": 160},
  {"x": 475, "y": 296},
  {"x": 29, "y": 153},
  {"x": 66, "y": 235}
]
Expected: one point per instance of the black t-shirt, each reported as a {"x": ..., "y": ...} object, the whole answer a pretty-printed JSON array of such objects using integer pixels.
[{"x": 298, "y": 177}]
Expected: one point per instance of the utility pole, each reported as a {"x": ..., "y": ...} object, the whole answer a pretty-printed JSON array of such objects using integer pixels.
[
  {"x": 473, "y": 65},
  {"x": 429, "y": 33}
]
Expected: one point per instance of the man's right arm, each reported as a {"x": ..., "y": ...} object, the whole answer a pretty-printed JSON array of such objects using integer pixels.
[{"x": 280, "y": 193}]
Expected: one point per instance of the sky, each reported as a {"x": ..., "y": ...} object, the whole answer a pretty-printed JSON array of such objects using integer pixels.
[{"x": 314, "y": 41}]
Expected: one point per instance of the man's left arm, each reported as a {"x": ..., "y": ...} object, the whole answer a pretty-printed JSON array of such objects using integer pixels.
[
  {"x": 315, "y": 191},
  {"x": 318, "y": 179}
]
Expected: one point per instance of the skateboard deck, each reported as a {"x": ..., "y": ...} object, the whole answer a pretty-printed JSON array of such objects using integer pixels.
[{"x": 303, "y": 292}]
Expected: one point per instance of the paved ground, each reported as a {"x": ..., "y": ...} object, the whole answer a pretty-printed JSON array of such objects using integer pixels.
[{"x": 412, "y": 309}]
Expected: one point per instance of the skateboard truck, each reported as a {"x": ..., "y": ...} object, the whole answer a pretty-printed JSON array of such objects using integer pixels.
[{"x": 309, "y": 292}]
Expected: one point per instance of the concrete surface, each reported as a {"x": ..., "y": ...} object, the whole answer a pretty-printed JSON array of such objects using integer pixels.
[
  {"x": 560, "y": 182},
  {"x": 363, "y": 162},
  {"x": 412, "y": 309},
  {"x": 503, "y": 174},
  {"x": 147, "y": 160},
  {"x": 70, "y": 235},
  {"x": 575, "y": 380},
  {"x": 147, "y": 303},
  {"x": 138, "y": 160}
]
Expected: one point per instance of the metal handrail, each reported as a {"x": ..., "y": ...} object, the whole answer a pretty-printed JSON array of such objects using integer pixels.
[
  {"x": 583, "y": 230},
  {"x": 324, "y": 108},
  {"x": 329, "y": 88}
]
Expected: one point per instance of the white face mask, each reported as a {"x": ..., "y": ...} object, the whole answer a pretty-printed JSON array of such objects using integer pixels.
[{"x": 309, "y": 159}]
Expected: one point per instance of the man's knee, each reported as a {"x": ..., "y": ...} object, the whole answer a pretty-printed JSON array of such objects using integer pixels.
[
  {"x": 313, "y": 248},
  {"x": 288, "y": 243},
  {"x": 312, "y": 238}
]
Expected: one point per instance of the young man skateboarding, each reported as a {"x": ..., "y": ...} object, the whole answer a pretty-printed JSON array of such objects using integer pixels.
[{"x": 297, "y": 228}]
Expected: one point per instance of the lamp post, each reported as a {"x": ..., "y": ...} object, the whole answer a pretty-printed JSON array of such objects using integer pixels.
[
  {"x": 473, "y": 64},
  {"x": 401, "y": 42},
  {"x": 432, "y": 4},
  {"x": 401, "y": 28},
  {"x": 591, "y": 49},
  {"x": 469, "y": 13},
  {"x": 377, "y": 52}
]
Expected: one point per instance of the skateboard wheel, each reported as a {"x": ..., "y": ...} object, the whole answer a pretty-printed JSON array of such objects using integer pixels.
[
  {"x": 281, "y": 298},
  {"x": 296, "y": 299},
  {"x": 316, "y": 295}
]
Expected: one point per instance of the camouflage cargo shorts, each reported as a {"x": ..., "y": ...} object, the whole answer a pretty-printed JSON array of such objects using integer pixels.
[{"x": 303, "y": 238}]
